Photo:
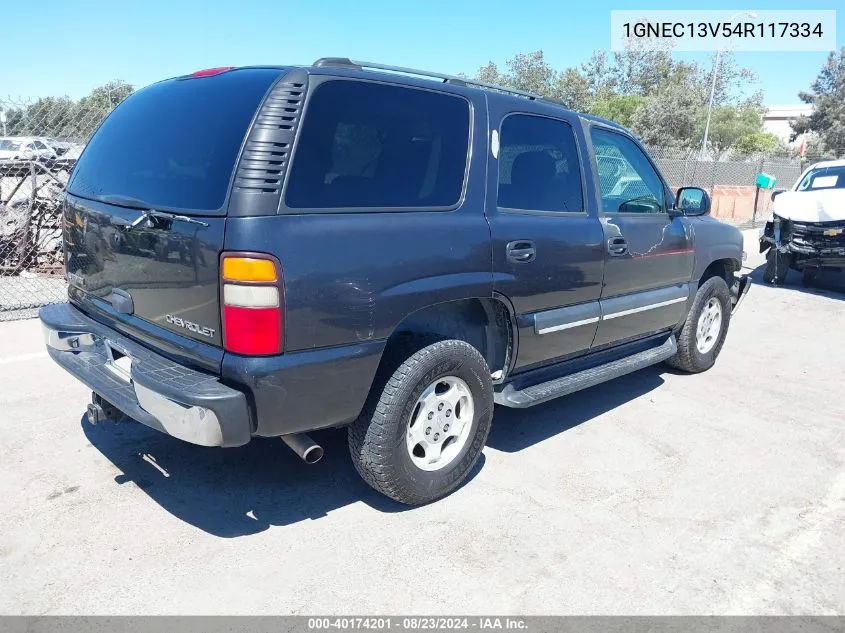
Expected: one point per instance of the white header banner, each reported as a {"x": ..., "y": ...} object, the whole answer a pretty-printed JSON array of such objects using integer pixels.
[{"x": 751, "y": 30}]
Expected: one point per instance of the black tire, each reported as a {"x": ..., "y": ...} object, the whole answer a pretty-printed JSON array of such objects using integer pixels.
[
  {"x": 688, "y": 358},
  {"x": 777, "y": 266},
  {"x": 377, "y": 438},
  {"x": 808, "y": 277}
]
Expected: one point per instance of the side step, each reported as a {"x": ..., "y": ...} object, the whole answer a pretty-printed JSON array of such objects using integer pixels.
[{"x": 545, "y": 391}]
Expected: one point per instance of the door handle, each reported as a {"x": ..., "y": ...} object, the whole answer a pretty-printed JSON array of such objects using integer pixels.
[
  {"x": 617, "y": 246},
  {"x": 521, "y": 251}
]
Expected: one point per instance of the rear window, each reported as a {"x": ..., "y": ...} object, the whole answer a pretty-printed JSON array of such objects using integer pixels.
[
  {"x": 374, "y": 145},
  {"x": 174, "y": 144}
]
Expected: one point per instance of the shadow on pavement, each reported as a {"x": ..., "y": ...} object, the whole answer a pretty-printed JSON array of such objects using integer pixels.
[
  {"x": 237, "y": 491},
  {"x": 829, "y": 283},
  {"x": 516, "y": 429},
  {"x": 240, "y": 491}
]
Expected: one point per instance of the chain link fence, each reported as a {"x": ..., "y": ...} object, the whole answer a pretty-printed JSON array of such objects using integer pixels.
[
  {"x": 43, "y": 138},
  {"x": 731, "y": 181}
]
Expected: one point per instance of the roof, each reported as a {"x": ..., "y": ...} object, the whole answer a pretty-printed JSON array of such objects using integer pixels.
[
  {"x": 344, "y": 67},
  {"x": 787, "y": 111},
  {"x": 424, "y": 78}
]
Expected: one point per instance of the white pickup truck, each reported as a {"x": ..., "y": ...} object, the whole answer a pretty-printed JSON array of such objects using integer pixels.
[{"x": 806, "y": 231}]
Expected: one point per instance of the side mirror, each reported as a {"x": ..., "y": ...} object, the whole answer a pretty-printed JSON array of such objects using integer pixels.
[
  {"x": 776, "y": 193},
  {"x": 692, "y": 201}
]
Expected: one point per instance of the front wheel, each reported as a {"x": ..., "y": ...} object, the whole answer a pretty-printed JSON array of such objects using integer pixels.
[
  {"x": 421, "y": 435},
  {"x": 703, "y": 334}
]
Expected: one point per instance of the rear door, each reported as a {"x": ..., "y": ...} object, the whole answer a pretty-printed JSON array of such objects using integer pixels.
[
  {"x": 649, "y": 255},
  {"x": 145, "y": 212},
  {"x": 546, "y": 237}
]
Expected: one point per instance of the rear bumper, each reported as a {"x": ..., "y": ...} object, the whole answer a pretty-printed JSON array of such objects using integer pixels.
[{"x": 187, "y": 404}]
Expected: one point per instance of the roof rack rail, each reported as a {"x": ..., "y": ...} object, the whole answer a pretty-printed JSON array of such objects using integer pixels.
[
  {"x": 452, "y": 79},
  {"x": 335, "y": 61}
]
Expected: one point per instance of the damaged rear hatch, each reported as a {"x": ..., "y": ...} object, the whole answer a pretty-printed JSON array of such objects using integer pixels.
[{"x": 145, "y": 214}]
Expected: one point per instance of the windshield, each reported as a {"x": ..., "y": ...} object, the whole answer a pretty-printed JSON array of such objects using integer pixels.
[
  {"x": 9, "y": 145},
  {"x": 173, "y": 145},
  {"x": 823, "y": 178}
]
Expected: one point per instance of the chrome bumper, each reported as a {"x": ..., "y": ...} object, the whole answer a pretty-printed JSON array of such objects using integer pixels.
[{"x": 186, "y": 404}]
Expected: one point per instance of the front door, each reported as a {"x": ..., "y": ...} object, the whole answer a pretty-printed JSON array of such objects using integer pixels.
[
  {"x": 548, "y": 244},
  {"x": 649, "y": 254}
]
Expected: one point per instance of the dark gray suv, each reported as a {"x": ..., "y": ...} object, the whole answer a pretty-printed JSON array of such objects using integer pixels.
[{"x": 266, "y": 251}]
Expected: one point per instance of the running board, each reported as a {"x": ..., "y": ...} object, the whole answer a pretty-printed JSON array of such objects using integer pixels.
[{"x": 545, "y": 391}]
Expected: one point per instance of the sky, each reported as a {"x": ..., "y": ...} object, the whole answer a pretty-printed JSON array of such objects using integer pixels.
[{"x": 73, "y": 47}]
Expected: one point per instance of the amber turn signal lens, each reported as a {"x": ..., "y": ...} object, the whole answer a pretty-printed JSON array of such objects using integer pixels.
[{"x": 248, "y": 269}]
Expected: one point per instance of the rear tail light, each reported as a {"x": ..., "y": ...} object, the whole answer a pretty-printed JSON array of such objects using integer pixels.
[{"x": 252, "y": 304}]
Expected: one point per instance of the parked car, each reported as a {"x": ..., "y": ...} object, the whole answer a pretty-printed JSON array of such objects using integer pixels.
[
  {"x": 60, "y": 147},
  {"x": 807, "y": 229},
  {"x": 25, "y": 148},
  {"x": 392, "y": 253}
]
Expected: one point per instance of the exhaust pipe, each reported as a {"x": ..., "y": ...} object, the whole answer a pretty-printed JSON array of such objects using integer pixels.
[{"x": 308, "y": 450}]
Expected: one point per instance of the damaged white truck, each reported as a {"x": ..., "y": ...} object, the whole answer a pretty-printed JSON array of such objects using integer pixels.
[{"x": 806, "y": 231}]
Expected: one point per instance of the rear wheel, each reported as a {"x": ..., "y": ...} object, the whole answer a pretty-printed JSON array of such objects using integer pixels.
[
  {"x": 703, "y": 334},
  {"x": 777, "y": 266},
  {"x": 423, "y": 432}
]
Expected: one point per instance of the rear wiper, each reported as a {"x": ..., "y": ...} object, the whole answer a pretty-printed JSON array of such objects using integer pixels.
[
  {"x": 124, "y": 201},
  {"x": 148, "y": 211}
]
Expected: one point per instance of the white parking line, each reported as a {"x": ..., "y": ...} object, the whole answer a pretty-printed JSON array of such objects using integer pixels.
[{"x": 22, "y": 357}]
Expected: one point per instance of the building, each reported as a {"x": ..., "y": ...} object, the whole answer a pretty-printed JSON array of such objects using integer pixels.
[{"x": 777, "y": 119}]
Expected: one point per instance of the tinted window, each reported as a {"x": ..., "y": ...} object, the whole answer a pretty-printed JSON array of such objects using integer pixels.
[
  {"x": 39, "y": 145},
  {"x": 538, "y": 165},
  {"x": 374, "y": 145},
  {"x": 628, "y": 182},
  {"x": 174, "y": 144}
]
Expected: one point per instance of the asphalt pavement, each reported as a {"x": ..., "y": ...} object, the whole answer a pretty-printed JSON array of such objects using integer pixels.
[{"x": 657, "y": 493}]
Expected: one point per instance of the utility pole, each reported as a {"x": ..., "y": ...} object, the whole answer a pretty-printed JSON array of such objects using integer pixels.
[{"x": 751, "y": 15}]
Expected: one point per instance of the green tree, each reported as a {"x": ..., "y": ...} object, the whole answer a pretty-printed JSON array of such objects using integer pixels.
[
  {"x": 661, "y": 98},
  {"x": 756, "y": 143},
  {"x": 732, "y": 83},
  {"x": 489, "y": 73},
  {"x": 573, "y": 90},
  {"x": 64, "y": 118},
  {"x": 91, "y": 109},
  {"x": 531, "y": 72},
  {"x": 642, "y": 72},
  {"x": 729, "y": 124},
  {"x": 48, "y": 116},
  {"x": 600, "y": 75},
  {"x": 670, "y": 118},
  {"x": 827, "y": 96},
  {"x": 618, "y": 108}
]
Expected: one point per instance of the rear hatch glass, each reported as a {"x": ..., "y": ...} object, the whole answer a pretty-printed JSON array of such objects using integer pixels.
[
  {"x": 173, "y": 145},
  {"x": 143, "y": 223}
]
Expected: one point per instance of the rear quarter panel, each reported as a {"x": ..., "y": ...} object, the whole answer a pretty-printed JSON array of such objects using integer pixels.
[{"x": 350, "y": 278}]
